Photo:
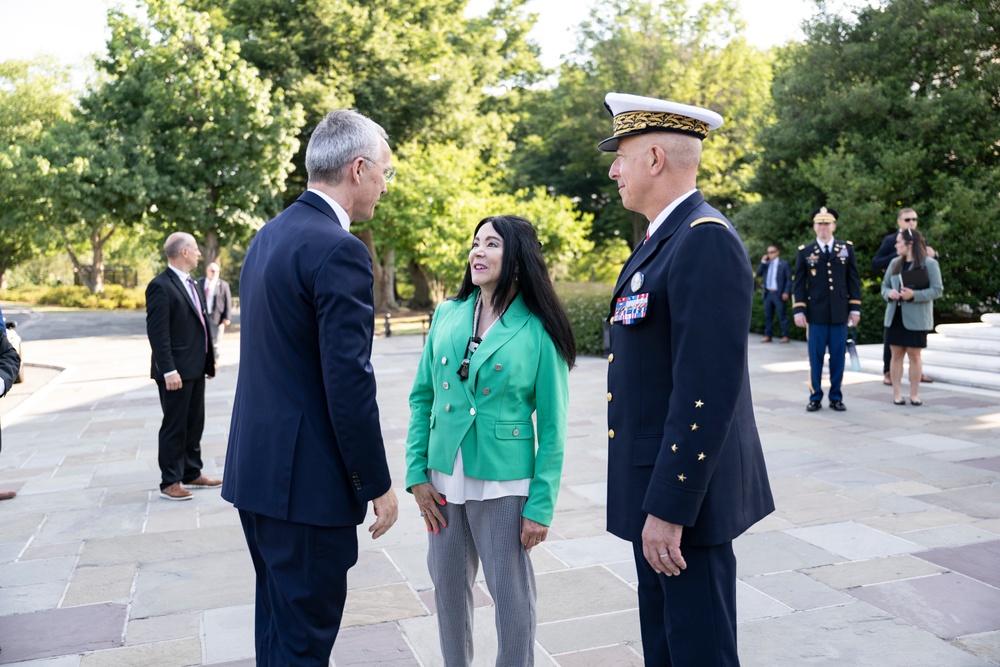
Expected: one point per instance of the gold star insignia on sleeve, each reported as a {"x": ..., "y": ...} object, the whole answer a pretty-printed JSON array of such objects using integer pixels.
[
  {"x": 673, "y": 447},
  {"x": 694, "y": 427},
  {"x": 699, "y": 403},
  {"x": 681, "y": 477},
  {"x": 701, "y": 457}
]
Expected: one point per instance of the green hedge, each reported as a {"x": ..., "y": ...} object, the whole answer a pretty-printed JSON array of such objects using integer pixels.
[
  {"x": 870, "y": 328},
  {"x": 114, "y": 297},
  {"x": 586, "y": 307}
]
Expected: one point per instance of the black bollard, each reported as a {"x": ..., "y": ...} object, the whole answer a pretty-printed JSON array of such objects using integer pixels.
[{"x": 388, "y": 329}]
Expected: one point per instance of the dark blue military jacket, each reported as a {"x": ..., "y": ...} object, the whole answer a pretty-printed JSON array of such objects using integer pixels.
[
  {"x": 826, "y": 290},
  {"x": 682, "y": 440}
]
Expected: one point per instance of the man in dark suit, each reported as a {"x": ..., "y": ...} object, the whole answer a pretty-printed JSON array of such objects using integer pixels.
[
  {"x": 776, "y": 287},
  {"x": 827, "y": 289},
  {"x": 305, "y": 446},
  {"x": 686, "y": 472},
  {"x": 10, "y": 364},
  {"x": 218, "y": 302},
  {"x": 182, "y": 357},
  {"x": 905, "y": 219}
]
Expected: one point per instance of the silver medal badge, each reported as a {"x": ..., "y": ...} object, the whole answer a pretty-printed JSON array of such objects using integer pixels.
[{"x": 636, "y": 283}]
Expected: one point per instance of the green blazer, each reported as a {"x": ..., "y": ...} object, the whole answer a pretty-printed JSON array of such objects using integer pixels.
[
  {"x": 516, "y": 372},
  {"x": 918, "y": 315}
]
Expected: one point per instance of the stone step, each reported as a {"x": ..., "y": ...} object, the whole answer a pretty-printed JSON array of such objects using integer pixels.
[
  {"x": 962, "y": 359},
  {"x": 871, "y": 362},
  {"x": 970, "y": 345},
  {"x": 970, "y": 330}
]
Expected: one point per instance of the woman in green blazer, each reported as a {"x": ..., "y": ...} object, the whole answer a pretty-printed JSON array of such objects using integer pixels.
[
  {"x": 486, "y": 476},
  {"x": 909, "y": 313}
]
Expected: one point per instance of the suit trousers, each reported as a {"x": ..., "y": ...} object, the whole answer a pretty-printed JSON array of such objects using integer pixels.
[
  {"x": 772, "y": 303},
  {"x": 301, "y": 588},
  {"x": 488, "y": 530},
  {"x": 821, "y": 337},
  {"x": 180, "y": 431},
  {"x": 689, "y": 619}
]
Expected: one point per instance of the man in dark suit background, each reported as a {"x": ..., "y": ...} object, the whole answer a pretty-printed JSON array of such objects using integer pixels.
[
  {"x": 218, "y": 302},
  {"x": 776, "y": 287},
  {"x": 305, "y": 447},
  {"x": 905, "y": 219},
  {"x": 686, "y": 472},
  {"x": 176, "y": 325},
  {"x": 827, "y": 289},
  {"x": 10, "y": 364}
]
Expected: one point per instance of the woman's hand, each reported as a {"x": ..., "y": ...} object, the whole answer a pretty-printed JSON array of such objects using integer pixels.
[
  {"x": 894, "y": 295},
  {"x": 429, "y": 501},
  {"x": 532, "y": 533},
  {"x": 906, "y": 294}
]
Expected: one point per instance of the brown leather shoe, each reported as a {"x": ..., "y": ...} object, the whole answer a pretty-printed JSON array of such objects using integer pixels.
[
  {"x": 7, "y": 495},
  {"x": 203, "y": 483},
  {"x": 176, "y": 492},
  {"x": 927, "y": 379},
  {"x": 784, "y": 339},
  {"x": 765, "y": 339}
]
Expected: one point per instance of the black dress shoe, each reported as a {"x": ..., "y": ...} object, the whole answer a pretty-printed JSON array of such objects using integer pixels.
[
  {"x": 838, "y": 406},
  {"x": 813, "y": 406}
]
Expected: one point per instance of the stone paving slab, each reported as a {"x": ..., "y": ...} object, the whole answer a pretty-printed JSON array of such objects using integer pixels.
[
  {"x": 948, "y": 605},
  {"x": 66, "y": 631},
  {"x": 979, "y": 561},
  {"x": 901, "y": 507},
  {"x": 853, "y": 541}
]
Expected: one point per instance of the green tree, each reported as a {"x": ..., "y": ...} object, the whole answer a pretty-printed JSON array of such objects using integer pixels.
[
  {"x": 896, "y": 106},
  {"x": 443, "y": 192},
  {"x": 421, "y": 69},
  {"x": 98, "y": 181},
  {"x": 660, "y": 50},
  {"x": 33, "y": 96},
  {"x": 220, "y": 138}
]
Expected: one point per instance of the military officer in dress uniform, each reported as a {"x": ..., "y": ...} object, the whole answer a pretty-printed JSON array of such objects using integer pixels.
[
  {"x": 686, "y": 472},
  {"x": 827, "y": 292}
]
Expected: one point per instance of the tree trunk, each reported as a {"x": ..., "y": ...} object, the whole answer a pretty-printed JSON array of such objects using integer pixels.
[
  {"x": 210, "y": 250},
  {"x": 421, "y": 286},
  {"x": 388, "y": 289},
  {"x": 378, "y": 286},
  {"x": 97, "y": 268},
  {"x": 84, "y": 275},
  {"x": 3, "y": 277}
]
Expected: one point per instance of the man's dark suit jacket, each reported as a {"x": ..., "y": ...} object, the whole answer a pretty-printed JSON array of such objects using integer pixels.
[
  {"x": 10, "y": 364},
  {"x": 175, "y": 332},
  {"x": 305, "y": 443},
  {"x": 683, "y": 443},
  {"x": 784, "y": 277},
  {"x": 886, "y": 252},
  {"x": 222, "y": 301}
]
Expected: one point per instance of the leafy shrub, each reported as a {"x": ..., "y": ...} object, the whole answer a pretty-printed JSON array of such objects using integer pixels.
[
  {"x": 74, "y": 296},
  {"x": 586, "y": 307},
  {"x": 870, "y": 328}
]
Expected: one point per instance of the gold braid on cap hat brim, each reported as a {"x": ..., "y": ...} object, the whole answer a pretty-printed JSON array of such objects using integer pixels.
[{"x": 631, "y": 122}]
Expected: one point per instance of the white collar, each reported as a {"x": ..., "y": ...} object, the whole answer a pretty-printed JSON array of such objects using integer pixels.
[
  {"x": 342, "y": 217},
  {"x": 828, "y": 243},
  {"x": 658, "y": 220},
  {"x": 180, "y": 274}
]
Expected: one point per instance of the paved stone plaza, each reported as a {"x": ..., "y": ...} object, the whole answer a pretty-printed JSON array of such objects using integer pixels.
[{"x": 884, "y": 549}]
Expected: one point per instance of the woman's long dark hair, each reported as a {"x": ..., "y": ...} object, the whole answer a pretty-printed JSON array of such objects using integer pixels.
[
  {"x": 915, "y": 240},
  {"x": 523, "y": 270}
]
